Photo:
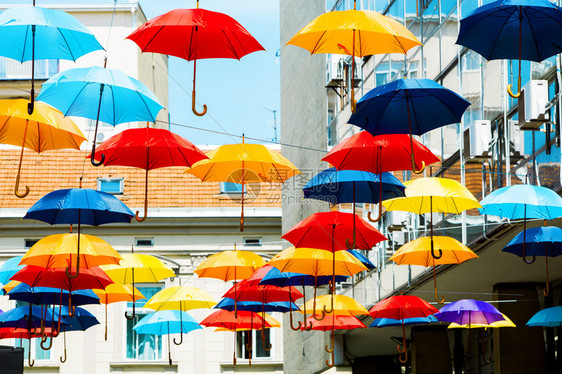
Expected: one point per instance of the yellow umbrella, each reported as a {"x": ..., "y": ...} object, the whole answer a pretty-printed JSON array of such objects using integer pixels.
[
  {"x": 244, "y": 163},
  {"x": 354, "y": 33},
  {"x": 230, "y": 265},
  {"x": 10, "y": 286},
  {"x": 421, "y": 252},
  {"x": 117, "y": 292},
  {"x": 45, "y": 129},
  {"x": 316, "y": 262},
  {"x": 57, "y": 251},
  {"x": 140, "y": 268},
  {"x": 180, "y": 298}
]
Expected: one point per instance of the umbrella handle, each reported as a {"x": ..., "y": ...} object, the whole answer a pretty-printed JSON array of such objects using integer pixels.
[
  {"x": 170, "y": 357},
  {"x": 331, "y": 351},
  {"x": 93, "y": 161},
  {"x": 63, "y": 360},
  {"x": 435, "y": 288},
  {"x": 47, "y": 347},
  {"x": 145, "y": 193},
  {"x": 403, "y": 359},
  {"x": 17, "y": 186},
  {"x": 131, "y": 316},
  {"x": 404, "y": 348},
  {"x": 353, "y": 244},
  {"x": 72, "y": 311},
  {"x": 380, "y": 213},
  {"x": 434, "y": 255},
  {"x": 181, "y": 332},
  {"x": 515, "y": 95},
  {"x": 266, "y": 348},
  {"x": 414, "y": 166},
  {"x": 68, "y": 272},
  {"x": 325, "y": 310},
  {"x": 484, "y": 360},
  {"x": 200, "y": 114},
  {"x": 102, "y": 86},
  {"x": 30, "y": 362}
]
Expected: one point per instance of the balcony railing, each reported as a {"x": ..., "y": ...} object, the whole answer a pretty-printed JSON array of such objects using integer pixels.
[{"x": 14, "y": 70}]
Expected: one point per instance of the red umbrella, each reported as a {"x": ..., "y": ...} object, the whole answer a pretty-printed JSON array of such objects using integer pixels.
[
  {"x": 194, "y": 34},
  {"x": 399, "y": 308},
  {"x": 384, "y": 153},
  {"x": 243, "y": 320},
  {"x": 243, "y": 291},
  {"x": 148, "y": 148}
]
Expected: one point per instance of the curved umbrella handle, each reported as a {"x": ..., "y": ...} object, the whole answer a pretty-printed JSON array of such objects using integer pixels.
[
  {"x": 200, "y": 114},
  {"x": 68, "y": 272},
  {"x": 403, "y": 359},
  {"x": 145, "y": 190},
  {"x": 181, "y": 331},
  {"x": 131, "y": 316},
  {"x": 435, "y": 288},
  {"x": 72, "y": 311},
  {"x": 102, "y": 86},
  {"x": 437, "y": 257},
  {"x": 267, "y": 348},
  {"x": 325, "y": 310},
  {"x": 137, "y": 217},
  {"x": 533, "y": 258},
  {"x": 404, "y": 348},
  {"x": 17, "y": 186},
  {"x": 46, "y": 348},
  {"x": 414, "y": 166},
  {"x": 30, "y": 362},
  {"x": 93, "y": 161},
  {"x": 379, "y": 215},
  {"x": 299, "y": 326},
  {"x": 353, "y": 244},
  {"x": 63, "y": 360},
  {"x": 515, "y": 95},
  {"x": 331, "y": 351},
  {"x": 323, "y": 313}
]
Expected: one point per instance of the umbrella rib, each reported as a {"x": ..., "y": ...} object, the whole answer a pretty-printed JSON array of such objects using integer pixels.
[
  {"x": 448, "y": 108},
  {"x": 499, "y": 33},
  {"x": 24, "y": 44},
  {"x": 532, "y": 34},
  {"x": 152, "y": 39},
  {"x": 317, "y": 43},
  {"x": 67, "y": 45},
  {"x": 146, "y": 105},
  {"x": 76, "y": 98},
  {"x": 231, "y": 46}
]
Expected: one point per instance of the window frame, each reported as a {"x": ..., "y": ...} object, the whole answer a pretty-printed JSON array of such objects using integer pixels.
[
  {"x": 224, "y": 191},
  {"x": 255, "y": 334},
  {"x": 144, "y": 245},
  {"x": 121, "y": 181}
]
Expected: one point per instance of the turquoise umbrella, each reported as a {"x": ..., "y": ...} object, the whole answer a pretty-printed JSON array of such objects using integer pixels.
[
  {"x": 549, "y": 317},
  {"x": 9, "y": 268}
]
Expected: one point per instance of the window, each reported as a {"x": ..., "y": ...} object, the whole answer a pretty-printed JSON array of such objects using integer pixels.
[
  {"x": 258, "y": 351},
  {"x": 30, "y": 243},
  {"x": 37, "y": 353},
  {"x": 252, "y": 242},
  {"x": 470, "y": 61},
  {"x": 144, "y": 242},
  {"x": 142, "y": 346},
  {"x": 112, "y": 186},
  {"x": 231, "y": 188},
  {"x": 12, "y": 69}
]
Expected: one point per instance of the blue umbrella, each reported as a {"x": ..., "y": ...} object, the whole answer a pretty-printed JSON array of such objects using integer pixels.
[
  {"x": 9, "y": 268},
  {"x": 120, "y": 98},
  {"x": 166, "y": 322},
  {"x": 389, "y": 322},
  {"x": 256, "y": 306},
  {"x": 538, "y": 241},
  {"x": 514, "y": 29},
  {"x": 30, "y": 33},
  {"x": 549, "y": 317},
  {"x": 275, "y": 277},
  {"x": 364, "y": 260},
  {"x": 51, "y": 296},
  {"x": 408, "y": 106},
  {"x": 521, "y": 202},
  {"x": 353, "y": 186},
  {"x": 79, "y": 206},
  {"x": 80, "y": 321}
]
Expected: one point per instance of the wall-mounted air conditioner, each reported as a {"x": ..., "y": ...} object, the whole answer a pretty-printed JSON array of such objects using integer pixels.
[
  {"x": 396, "y": 220},
  {"x": 532, "y": 105},
  {"x": 102, "y": 136},
  {"x": 334, "y": 71},
  {"x": 477, "y": 138}
]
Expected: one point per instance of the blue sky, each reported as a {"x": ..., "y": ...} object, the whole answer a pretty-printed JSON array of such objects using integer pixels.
[{"x": 236, "y": 92}]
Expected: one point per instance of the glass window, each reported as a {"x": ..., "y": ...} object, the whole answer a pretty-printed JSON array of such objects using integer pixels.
[
  {"x": 231, "y": 188},
  {"x": 242, "y": 340},
  {"x": 252, "y": 242},
  {"x": 112, "y": 186},
  {"x": 12, "y": 69},
  {"x": 28, "y": 243},
  {"x": 470, "y": 61},
  {"x": 143, "y": 346},
  {"x": 144, "y": 242}
]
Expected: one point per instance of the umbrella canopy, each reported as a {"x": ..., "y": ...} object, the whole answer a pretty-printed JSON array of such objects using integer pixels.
[
  {"x": 20, "y": 318},
  {"x": 230, "y": 265},
  {"x": 22, "y": 333},
  {"x": 55, "y": 251},
  {"x": 271, "y": 322},
  {"x": 117, "y": 292},
  {"x": 515, "y": 29},
  {"x": 335, "y": 322},
  {"x": 361, "y": 257},
  {"x": 148, "y": 149},
  {"x": 402, "y": 307},
  {"x": 44, "y": 129},
  {"x": 389, "y": 322},
  {"x": 256, "y": 306},
  {"x": 343, "y": 305},
  {"x": 36, "y": 276},
  {"x": 433, "y": 195},
  {"x": 81, "y": 206},
  {"x": 244, "y": 163},
  {"x": 52, "y": 296},
  {"x": 180, "y": 298},
  {"x": 506, "y": 322},
  {"x": 275, "y": 277},
  {"x": 194, "y": 34},
  {"x": 316, "y": 262},
  {"x": 539, "y": 202},
  {"x": 469, "y": 311},
  {"x": 9, "y": 268},
  {"x": 244, "y": 291},
  {"x": 418, "y": 252},
  {"x": 549, "y": 317},
  {"x": 11, "y": 284},
  {"x": 352, "y": 186},
  {"x": 165, "y": 322},
  {"x": 329, "y": 231},
  {"x": 377, "y": 154},
  {"x": 226, "y": 319},
  {"x": 81, "y": 320}
]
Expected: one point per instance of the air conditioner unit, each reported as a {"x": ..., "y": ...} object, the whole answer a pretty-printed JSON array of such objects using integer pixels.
[
  {"x": 516, "y": 137},
  {"x": 477, "y": 139},
  {"x": 358, "y": 67},
  {"x": 102, "y": 136},
  {"x": 396, "y": 220},
  {"x": 532, "y": 105},
  {"x": 334, "y": 71},
  {"x": 398, "y": 237}
]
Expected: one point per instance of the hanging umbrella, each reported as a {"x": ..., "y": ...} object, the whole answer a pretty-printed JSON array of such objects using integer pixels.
[
  {"x": 507, "y": 202},
  {"x": 56, "y": 251},
  {"x": 469, "y": 311},
  {"x": 115, "y": 293},
  {"x": 352, "y": 186},
  {"x": 119, "y": 98},
  {"x": 538, "y": 241},
  {"x": 195, "y": 34},
  {"x": 390, "y": 322},
  {"x": 361, "y": 257},
  {"x": 43, "y": 130},
  {"x": 139, "y": 268},
  {"x": 79, "y": 206},
  {"x": 514, "y": 29},
  {"x": 35, "y": 33},
  {"x": 549, "y": 317},
  {"x": 400, "y": 308},
  {"x": 317, "y": 263},
  {"x": 354, "y": 33},
  {"x": 256, "y": 306},
  {"x": 180, "y": 298},
  {"x": 148, "y": 149},
  {"x": 166, "y": 322},
  {"x": 421, "y": 251},
  {"x": 408, "y": 106},
  {"x": 243, "y": 164},
  {"x": 52, "y": 296},
  {"x": 9, "y": 268},
  {"x": 506, "y": 322},
  {"x": 11, "y": 284},
  {"x": 235, "y": 321},
  {"x": 81, "y": 320}
]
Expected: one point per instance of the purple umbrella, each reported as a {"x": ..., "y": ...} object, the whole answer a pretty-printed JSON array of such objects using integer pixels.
[{"x": 469, "y": 311}]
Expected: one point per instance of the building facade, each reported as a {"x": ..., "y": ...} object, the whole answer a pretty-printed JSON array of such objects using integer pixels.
[{"x": 491, "y": 148}]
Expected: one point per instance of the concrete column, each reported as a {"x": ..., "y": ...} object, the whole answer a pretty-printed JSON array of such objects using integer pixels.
[
  {"x": 519, "y": 350},
  {"x": 430, "y": 350}
]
